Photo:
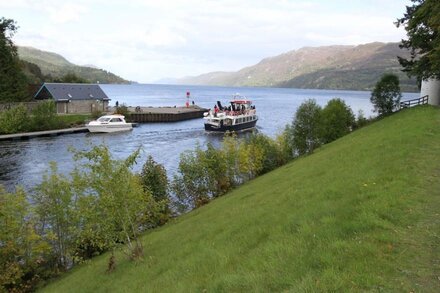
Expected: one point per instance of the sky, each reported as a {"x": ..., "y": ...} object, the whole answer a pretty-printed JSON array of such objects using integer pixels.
[{"x": 146, "y": 41}]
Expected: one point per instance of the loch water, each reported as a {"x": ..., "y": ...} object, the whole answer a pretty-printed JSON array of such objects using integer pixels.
[{"x": 24, "y": 162}]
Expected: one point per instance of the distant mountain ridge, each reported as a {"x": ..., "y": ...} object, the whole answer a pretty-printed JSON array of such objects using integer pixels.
[
  {"x": 328, "y": 67},
  {"x": 57, "y": 66}
]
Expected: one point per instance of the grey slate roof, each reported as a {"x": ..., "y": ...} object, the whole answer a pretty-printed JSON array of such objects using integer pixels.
[{"x": 71, "y": 91}]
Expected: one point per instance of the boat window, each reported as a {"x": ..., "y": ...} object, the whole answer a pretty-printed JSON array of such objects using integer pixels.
[
  {"x": 116, "y": 120},
  {"x": 102, "y": 119}
]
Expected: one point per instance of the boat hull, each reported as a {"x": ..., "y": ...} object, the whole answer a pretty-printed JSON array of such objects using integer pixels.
[
  {"x": 224, "y": 128},
  {"x": 109, "y": 128}
]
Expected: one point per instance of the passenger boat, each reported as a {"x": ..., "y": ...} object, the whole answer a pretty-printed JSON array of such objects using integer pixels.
[
  {"x": 239, "y": 115},
  {"x": 109, "y": 123}
]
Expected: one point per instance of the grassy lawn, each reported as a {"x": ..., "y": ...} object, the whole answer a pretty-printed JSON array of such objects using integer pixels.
[{"x": 361, "y": 214}]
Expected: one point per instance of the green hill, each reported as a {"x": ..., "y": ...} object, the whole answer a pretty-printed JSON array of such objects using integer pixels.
[
  {"x": 57, "y": 66},
  {"x": 360, "y": 214},
  {"x": 327, "y": 67}
]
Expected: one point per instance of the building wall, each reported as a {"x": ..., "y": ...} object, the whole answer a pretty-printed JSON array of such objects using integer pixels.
[{"x": 81, "y": 106}]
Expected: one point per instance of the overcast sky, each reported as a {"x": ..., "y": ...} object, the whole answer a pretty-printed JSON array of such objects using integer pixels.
[{"x": 145, "y": 40}]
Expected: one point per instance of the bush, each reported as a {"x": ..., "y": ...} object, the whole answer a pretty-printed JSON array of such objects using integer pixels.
[
  {"x": 14, "y": 120},
  {"x": 210, "y": 173},
  {"x": 337, "y": 120},
  {"x": 123, "y": 110},
  {"x": 96, "y": 114},
  {"x": 45, "y": 116},
  {"x": 386, "y": 94},
  {"x": 154, "y": 179},
  {"x": 361, "y": 120},
  {"x": 23, "y": 252}
]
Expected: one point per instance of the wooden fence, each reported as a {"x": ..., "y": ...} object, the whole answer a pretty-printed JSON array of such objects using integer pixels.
[{"x": 414, "y": 102}]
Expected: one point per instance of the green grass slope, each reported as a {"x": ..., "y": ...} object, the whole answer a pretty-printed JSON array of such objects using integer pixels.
[{"x": 361, "y": 214}]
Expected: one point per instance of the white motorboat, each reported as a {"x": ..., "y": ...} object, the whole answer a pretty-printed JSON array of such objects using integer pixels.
[
  {"x": 109, "y": 123},
  {"x": 240, "y": 115}
]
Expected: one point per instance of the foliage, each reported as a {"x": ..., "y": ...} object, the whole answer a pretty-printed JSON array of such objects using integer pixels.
[
  {"x": 55, "y": 204},
  {"x": 210, "y": 173},
  {"x": 386, "y": 94},
  {"x": 44, "y": 116},
  {"x": 96, "y": 114},
  {"x": 14, "y": 120},
  {"x": 361, "y": 120},
  {"x": 122, "y": 110},
  {"x": 422, "y": 24},
  {"x": 337, "y": 120},
  {"x": 33, "y": 73},
  {"x": 154, "y": 180},
  {"x": 190, "y": 185},
  {"x": 306, "y": 128},
  {"x": 23, "y": 253},
  {"x": 122, "y": 206},
  {"x": 13, "y": 85},
  {"x": 71, "y": 77}
]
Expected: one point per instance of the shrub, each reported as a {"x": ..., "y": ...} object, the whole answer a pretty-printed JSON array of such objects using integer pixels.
[
  {"x": 337, "y": 120},
  {"x": 45, "y": 116},
  {"x": 123, "y": 110},
  {"x": 96, "y": 114},
  {"x": 191, "y": 184},
  {"x": 23, "y": 252},
  {"x": 386, "y": 94},
  {"x": 54, "y": 204},
  {"x": 14, "y": 120},
  {"x": 361, "y": 120},
  {"x": 154, "y": 179}
]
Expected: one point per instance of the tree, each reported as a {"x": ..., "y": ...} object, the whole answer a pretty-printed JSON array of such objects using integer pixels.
[
  {"x": 44, "y": 116},
  {"x": 337, "y": 120},
  {"x": 121, "y": 206},
  {"x": 191, "y": 184},
  {"x": 13, "y": 86},
  {"x": 154, "y": 179},
  {"x": 361, "y": 120},
  {"x": 55, "y": 202},
  {"x": 14, "y": 120},
  {"x": 305, "y": 130},
  {"x": 23, "y": 253},
  {"x": 386, "y": 94},
  {"x": 71, "y": 78},
  {"x": 422, "y": 24}
]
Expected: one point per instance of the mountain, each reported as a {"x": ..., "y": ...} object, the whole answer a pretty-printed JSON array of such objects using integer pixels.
[
  {"x": 56, "y": 66},
  {"x": 361, "y": 214},
  {"x": 329, "y": 67}
]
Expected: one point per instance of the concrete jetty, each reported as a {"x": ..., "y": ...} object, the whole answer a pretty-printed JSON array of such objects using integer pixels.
[
  {"x": 165, "y": 114},
  {"x": 28, "y": 135}
]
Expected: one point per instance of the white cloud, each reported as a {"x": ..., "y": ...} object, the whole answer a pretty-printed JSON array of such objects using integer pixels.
[
  {"x": 66, "y": 12},
  {"x": 147, "y": 40}
]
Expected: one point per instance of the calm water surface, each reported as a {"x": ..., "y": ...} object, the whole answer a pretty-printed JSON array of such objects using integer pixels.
[{"x": 24, "y": 162}]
